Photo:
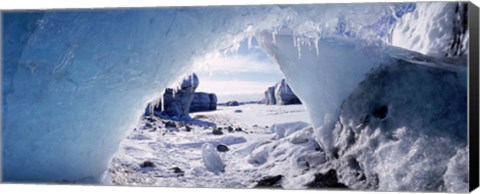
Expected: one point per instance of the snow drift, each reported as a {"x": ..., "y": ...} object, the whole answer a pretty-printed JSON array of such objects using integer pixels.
[{"x": 74, "y": 82}]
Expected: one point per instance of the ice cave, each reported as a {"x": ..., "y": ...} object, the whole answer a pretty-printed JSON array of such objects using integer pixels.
[{"x": 75, "y": 81}]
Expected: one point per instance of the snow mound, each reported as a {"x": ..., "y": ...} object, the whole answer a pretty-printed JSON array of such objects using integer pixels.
[
  {"x": 212, "y": 159},
  {"x": 297, "y": 157},
  {"x": 140, "y": 137},
  {"x": 282, "y": 130}
]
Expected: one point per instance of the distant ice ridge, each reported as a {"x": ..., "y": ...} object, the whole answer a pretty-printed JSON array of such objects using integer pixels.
[{"x": 85, "y": 76}]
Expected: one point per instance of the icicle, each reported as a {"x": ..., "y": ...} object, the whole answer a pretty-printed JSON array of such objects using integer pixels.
[
  {"x": 309, "y": 44},
  {"x": 317, "y": 42},
  {"x": 250, "y": 41},
  {"x": 236, "y": 48},
  {"x": 294, "y": 41},
  {"x": 150, "y": 109},
  {"x": 225, "y": 53},
  {"x": 274, "y": 37},
  {"x": 163, "y": 103},
  {"x": 299, "y": 48},
  {"x": 191, "y": 82},
  {"x": 154, "y": 104}
]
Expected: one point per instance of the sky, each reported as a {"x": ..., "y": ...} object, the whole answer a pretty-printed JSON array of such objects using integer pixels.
[{"x": 242, "y": 76}]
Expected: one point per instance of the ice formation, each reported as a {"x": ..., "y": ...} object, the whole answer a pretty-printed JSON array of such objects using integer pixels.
[
  {"x": 401, "y": 140},
  {"x": 74, "y": 82},
  {"x": 444, "y": 37},
  {"x": 212, "y": 160}
]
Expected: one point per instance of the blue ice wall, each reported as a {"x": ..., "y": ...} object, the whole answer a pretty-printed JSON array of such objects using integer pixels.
[{"x": 75, "y": 82}]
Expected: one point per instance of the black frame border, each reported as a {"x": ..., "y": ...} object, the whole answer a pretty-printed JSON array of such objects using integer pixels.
[{"x": 473, "y": 124}]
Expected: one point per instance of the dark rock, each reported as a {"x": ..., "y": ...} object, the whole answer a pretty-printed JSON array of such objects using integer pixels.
[
  {"x": 213, "y": 101},
  {"x": 280, "y": 94},
  {"x": 217, "y": 132},
  {"x": 148, "y": 125},
  {"x": 200, "y": 117},
  {"x": 222, "y": 148},
  {"x": 232, "y": 103},
  {"x": 170, "y": 124},
  {"x": 150, "y": 119},
  {"x": 176, "y": 103},
  {"x": 326, "y": 180},
  {"x": 230, "y": 129},
  {"x": 238, "y": 129},
  {"x": 178, "y": 171},
  {"x": 203, "y": 102},
  {"x": 284, "y": 94},
  {"x": 238, "y": 111},
  {"x": 147, "y": 164},
  {"x": 270, "y": 181},
  {"x": 188, "y": 128},
  {"x": 270, "y": 96}
]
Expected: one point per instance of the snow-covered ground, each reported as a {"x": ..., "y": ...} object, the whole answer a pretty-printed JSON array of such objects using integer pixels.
[{"x": 263, "y": 142}]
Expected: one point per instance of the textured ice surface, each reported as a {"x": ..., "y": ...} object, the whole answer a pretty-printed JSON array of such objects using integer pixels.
[
  {"x": 334, "y": 72},
  {"x": 74, "y": 82},
  {"x": 402, "y": 128},
  {"x": 456, "y": 176},
  {"x": 430, "y": 29}
]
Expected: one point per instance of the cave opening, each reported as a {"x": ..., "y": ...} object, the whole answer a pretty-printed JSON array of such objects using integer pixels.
[{"x": 235, "y": 99}]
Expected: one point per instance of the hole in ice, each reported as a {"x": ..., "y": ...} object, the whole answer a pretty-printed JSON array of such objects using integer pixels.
[
  {"x": 147, "y": 164},
  {"x": 380, "y": 112}
]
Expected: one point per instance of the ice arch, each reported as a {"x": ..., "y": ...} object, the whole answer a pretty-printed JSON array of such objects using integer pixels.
[{"x": 74, "y": 82}]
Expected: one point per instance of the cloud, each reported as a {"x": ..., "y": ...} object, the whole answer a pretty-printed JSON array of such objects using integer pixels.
[
  {"x": 233, "y": 87},
  {"x": 236, "y": 63},
  {"x": 235, "y": 90}
]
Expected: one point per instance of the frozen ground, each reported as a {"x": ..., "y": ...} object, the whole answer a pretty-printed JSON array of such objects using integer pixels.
[{"x": 158, "y": 153}]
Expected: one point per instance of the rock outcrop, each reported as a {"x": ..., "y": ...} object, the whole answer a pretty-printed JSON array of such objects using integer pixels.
[
  {"x": 232, "y": 103},
  {"x": 270, "y": 96},
  {"x": 203, "y": 102},
  {"x": 180, "y": 102},
  {"x": 280, "y": 94},
  {"x": 177, "y": 103}
]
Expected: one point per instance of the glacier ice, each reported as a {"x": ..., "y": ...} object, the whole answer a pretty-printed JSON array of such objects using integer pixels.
[
  {"x": 435, "y": 29},
  {"x": 74, "y": 82},
  {"x": 401, "y": 127},
  {"x": 418, "y": 110}
]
